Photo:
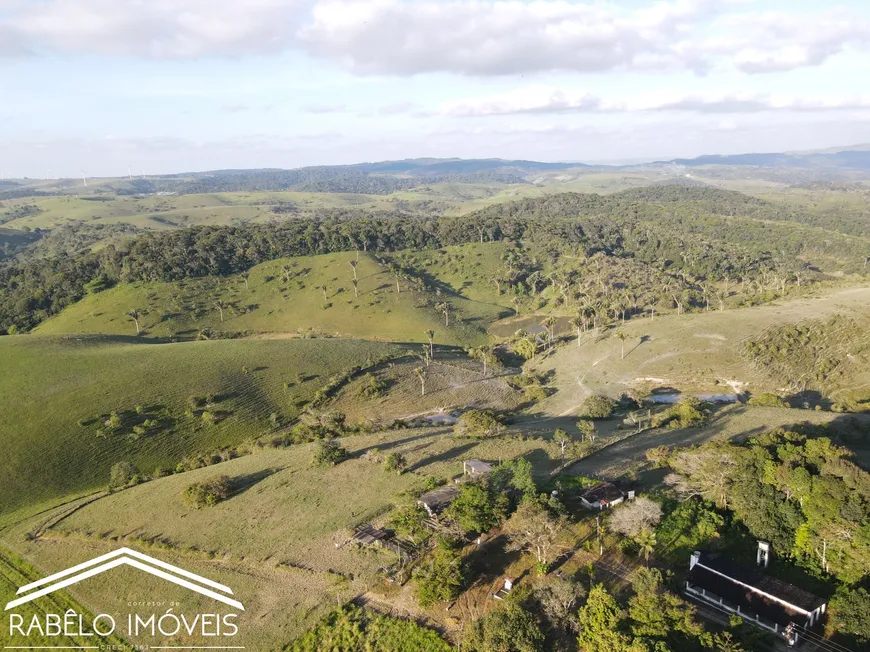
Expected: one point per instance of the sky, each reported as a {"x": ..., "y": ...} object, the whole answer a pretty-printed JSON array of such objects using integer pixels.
[{"x": 159, "y": 86}]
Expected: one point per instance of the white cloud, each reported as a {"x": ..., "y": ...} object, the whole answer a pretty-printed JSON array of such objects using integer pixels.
[
  {"x": 512, "y": 37},
  {"x": 469, "y": 37},
  {"x": 161, "y": 29},
  {"x": 544, "y": 99}
]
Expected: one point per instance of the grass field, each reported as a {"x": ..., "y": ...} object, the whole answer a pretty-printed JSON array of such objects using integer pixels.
[
  {"x": 63, "y": 389},
  {"x": 700, "y": 352},
  {"x": 283, "y": 296},
  {"x": 273, "y": 541}
]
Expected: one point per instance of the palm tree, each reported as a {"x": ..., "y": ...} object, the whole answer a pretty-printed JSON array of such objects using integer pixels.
[
  {"x": 646, "y": 544},
  {"x": 483, "y": 354},
  {"x": 220, "y": 305},
  {"x": 445, "y": 308},
  {"x": 245, "y": 278},
  {"x": 134, "y": 315},
  {"x": 324, "y": 289},
  {"x": 548, "y": 325},
  {"x": 622, "y": 337},
  {"x": 431, "y": 335},
  {"x": 577, "y": 322},
  {"x": 516, "y": 303},
  {"x": 420, "y": 372},
  {"x": 353, "y": 264}
]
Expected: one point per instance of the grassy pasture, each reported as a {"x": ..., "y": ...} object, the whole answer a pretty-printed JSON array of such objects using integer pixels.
[
  {"x": 58, "y": 391},
  {"x": 700, "y": 352},
  {"x": 279, "y": 301},
  {"x": 273, "y": 541}
]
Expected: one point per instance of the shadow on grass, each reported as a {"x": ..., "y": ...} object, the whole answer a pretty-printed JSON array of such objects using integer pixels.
[{"x": 450, "y": 454}]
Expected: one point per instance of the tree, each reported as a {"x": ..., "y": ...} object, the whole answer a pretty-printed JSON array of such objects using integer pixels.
[
  {"x": 587, "y": 430},
  {"x": 549, "y": 325},
  {"x": 525, "y": 347},
  {"x": 395, "y": 463},
  {"x": 474, "y": 510},
  {"x": 646, "y": 544},
  {"x": 420, "y": 373},
  {"x": 558, "y": 598},
  {"x": 220, "y": 305},
  {"x": 622, "y": 337},
  {"x": 246, "y": 278},
  {"x": 328, "y": 452},
  {"x": 209, "y": 492},
  {"x": 445, "y": 309},
  {"x": 410, "y": 521},
  {"x": 324, "y": 289},
  {"x": 577, "y": 323},
  {"x": 134, "y": 315},
  {"x": 122, "y": 474},
  {"x": 508, "y": 628},
  {"x": 849, "y": 612},
  {"x": 564, "y": 441},
  {"x": 484, "y": 354},
  {"x": 533, "y": 528},
  {"x": 430, "y": 335},
  {"x": 600, "y": 621},
  {"x": 636, "y": 516},
  {"x": 441, "y": 575},
  {"x": 353, "y": 264},
  {"x": 355, "y": 287},
  {"x": 597, "y": 407},
  {"x": 478, "y": 424},
  {"x": 657, "y": 613}
]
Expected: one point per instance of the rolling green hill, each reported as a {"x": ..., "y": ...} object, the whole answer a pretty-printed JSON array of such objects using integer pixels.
[
  {"x": 284, "y": 296},
  {"x": 55, "y": 441}
]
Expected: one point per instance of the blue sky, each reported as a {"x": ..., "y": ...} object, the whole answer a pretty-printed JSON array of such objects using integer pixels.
[{"x": 176, "y": 85}]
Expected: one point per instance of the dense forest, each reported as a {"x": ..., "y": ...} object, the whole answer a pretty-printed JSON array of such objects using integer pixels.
[{"x": 652, "y": 226}]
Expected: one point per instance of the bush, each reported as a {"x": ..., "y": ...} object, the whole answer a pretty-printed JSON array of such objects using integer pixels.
[
  {"x": 597, "y": 407},
  {"x": 208, "y": 493},
  {"x": 685, "y": 414},
  {"x": 441, "y": 576},
  {"x": 122, "y": 474},
  {"x": 395, "y": 463},
  {"x": 328, "y": 452},
  {"x": 478, "y": 424},
  {"x": 768, "y": 399},
  {"x": 371, "y": 387}
]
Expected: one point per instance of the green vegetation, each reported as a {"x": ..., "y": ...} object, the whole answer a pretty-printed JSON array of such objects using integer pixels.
[
  {"x": 478, "y": 424},
  {"x": 800, "y": 493},
  {"x": 59, "y": 443},
  {"x": 328, "y": 452},
  {"x": 353, "y": 628},
  {"x": 442, "y": 575},
  {"x": 208, "y": 493},
  {"x": 284, "y": 296},
  {"x": 597, "y": 407}
]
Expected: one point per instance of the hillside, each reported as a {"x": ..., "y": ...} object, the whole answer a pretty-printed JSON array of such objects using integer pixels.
[
  {"x": 56, "y": 443},
  {"x": 284, "y": 296}
]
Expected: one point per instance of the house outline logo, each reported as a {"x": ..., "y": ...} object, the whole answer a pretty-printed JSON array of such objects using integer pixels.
[{"x": 125, "y": 557}]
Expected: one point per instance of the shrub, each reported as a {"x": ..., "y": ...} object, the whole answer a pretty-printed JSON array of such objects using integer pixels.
[
  {"x": 328, "y": 452},
  {"x": 685, "y": 414},
  {"x": 371, "y": 387},
  {"x": 395, "y": 463},
  {"x": 478, "y": 424},
  {"x": 597, "y": 407},
  {"x": 441, "y": 576},
  {"x": 768, "y": 399},
  {"x": 122, "y": 474},
  {"x": 208, "y": 493}
]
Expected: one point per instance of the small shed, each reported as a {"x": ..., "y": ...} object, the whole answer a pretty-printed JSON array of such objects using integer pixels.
[
  {"x": 436, "y": 501},
  {"x": 475, "y": 468},
  {"x": 368, "y": 534},
  {"x": 602, "y": 496}
]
